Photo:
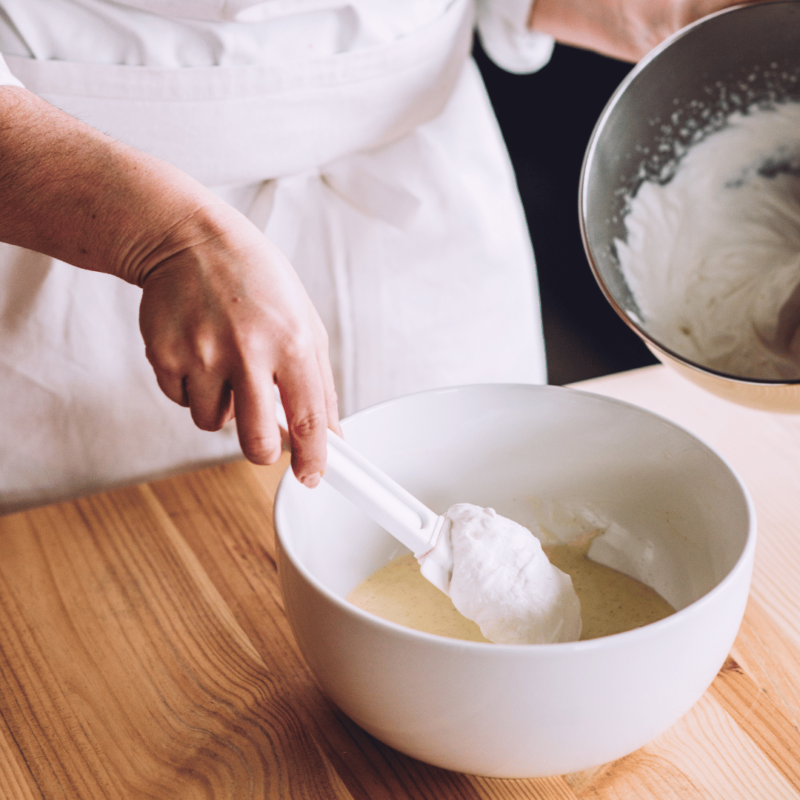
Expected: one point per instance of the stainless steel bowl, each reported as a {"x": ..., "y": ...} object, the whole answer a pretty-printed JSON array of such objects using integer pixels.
[{"x": 680, "y": 92}]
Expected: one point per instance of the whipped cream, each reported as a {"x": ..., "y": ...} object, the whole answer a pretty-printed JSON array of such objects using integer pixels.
[
  {"x": 712, "y": 257},
  {"x": 502, "y": 579}
]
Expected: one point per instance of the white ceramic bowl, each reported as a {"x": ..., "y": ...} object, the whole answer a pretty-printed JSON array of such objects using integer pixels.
[{"x": 523, "y": 710}]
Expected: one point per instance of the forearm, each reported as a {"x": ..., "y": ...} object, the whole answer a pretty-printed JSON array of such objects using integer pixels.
[
  {"x": 623, "y": 29},
  {"x": 73, "y": 193}
]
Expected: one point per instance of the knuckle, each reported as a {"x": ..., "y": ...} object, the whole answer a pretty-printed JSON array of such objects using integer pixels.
[
  {"x": 294, "y": 349},
  {"x": 307, "y": 425},
  {"x": 205, "y": 353},
  {"x": 295, "y": 339},
  {"x": 164, "y": 361},
  {"x": 202, "y": 352}
]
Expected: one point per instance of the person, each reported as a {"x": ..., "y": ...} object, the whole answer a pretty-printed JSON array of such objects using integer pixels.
[{"x": 312, "y": 196}]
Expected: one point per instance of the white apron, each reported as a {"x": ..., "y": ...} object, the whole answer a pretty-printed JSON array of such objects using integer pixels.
[{"x": 381, "y": 174}]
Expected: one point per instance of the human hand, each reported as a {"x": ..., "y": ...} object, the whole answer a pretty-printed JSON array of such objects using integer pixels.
[
  {"x": 223, "y": 314},
  {"x": 226, "y": 318},
  {"x": 623, "y": 29}
]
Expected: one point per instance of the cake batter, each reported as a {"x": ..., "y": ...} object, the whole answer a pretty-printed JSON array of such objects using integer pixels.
[{"x": 611, "y": 602}]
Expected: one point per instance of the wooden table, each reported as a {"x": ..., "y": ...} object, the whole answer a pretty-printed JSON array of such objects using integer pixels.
[{"x": 144, "y": 652}]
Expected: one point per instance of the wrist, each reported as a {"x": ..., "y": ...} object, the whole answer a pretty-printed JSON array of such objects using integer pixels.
[{"x": 168, "y": 215}]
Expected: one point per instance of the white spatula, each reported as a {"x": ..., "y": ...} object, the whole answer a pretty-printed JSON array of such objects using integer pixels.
[
  {"x": 410, "y": 521},
  {"x": 538, "y": 602}
]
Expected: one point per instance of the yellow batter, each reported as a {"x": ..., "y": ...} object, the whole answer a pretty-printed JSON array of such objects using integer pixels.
[{"x": 611, "y": 602}]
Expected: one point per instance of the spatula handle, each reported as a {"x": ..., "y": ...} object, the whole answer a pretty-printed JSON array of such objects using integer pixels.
[
  {"x": 379, "y": 496},
  {"x": 376, "y": 494}
]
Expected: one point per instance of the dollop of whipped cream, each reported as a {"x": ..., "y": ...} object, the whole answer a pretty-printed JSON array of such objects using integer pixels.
[
  {"x": 503, "y": 580},
  {"x": 712, "y": 257}
]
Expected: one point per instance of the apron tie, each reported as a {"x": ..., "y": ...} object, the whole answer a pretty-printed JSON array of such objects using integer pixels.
[{"x": 370, "y": 194}]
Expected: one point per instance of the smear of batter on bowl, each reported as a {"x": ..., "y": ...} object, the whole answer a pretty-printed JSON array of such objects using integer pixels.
[
  {"x": 712, "y": 256},
  {"x": 606, "y": 600}
]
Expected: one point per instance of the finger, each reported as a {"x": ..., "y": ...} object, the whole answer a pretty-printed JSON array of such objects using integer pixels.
[
  {"x": 304, "y": 400},
  {"x": 256, "y": 424},
  {"x": 210, "y": 400}
]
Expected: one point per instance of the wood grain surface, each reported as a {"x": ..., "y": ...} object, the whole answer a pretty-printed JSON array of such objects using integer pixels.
[{"x": 144, "y": 652}]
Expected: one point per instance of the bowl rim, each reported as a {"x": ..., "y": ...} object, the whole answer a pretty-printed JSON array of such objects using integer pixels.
[
  {"x": 743, "y": 563},
  {"x": 588, "y": 160}
]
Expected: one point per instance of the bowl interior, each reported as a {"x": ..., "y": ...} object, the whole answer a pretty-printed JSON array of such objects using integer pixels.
[
  {"x": 681, "y": 93},
  {"x": 680, "y": 516}
]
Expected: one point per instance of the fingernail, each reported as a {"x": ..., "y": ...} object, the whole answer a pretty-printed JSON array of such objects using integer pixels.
[{"x": 312, "y": 480}]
